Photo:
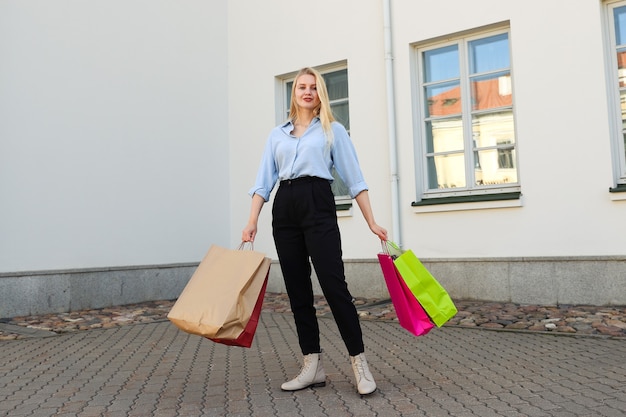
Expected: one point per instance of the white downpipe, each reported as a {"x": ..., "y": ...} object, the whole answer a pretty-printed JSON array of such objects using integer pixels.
[{"x": 396, "y": 233}]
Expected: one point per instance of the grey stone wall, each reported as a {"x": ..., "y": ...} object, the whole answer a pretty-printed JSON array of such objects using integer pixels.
[
  {"x": 545, "y": 281},
  {"x": 31, "y": 293}
]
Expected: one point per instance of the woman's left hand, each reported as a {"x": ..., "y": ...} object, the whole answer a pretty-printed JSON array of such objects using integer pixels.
[{"x": 381, "y": 232}]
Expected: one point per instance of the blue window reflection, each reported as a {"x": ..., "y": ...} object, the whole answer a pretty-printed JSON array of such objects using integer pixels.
[
  {"x": 441, "y": 64},
  {"x": 489, "y": 54}
]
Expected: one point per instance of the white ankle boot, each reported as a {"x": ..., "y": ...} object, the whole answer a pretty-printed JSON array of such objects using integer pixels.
[
  {"x": 311, "y": 375},
  {"x": 364, "y": 380}
]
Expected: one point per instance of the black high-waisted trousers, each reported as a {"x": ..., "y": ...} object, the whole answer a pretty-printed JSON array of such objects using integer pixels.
[{"x": 305, "y": 226}]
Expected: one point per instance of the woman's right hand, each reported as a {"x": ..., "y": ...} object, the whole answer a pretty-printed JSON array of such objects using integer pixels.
[{"x": 249, "y": 232}]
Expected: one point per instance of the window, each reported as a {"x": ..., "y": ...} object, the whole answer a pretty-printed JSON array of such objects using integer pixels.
[
  {"x": 617, "y": 53},
  {"x": 337, "y": 85},
  {"x": 467, "y": 137}
]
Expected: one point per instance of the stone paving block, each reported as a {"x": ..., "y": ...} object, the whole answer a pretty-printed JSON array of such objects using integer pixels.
[
  {"x": 8, "y": 405},
  {"x": 560, "y": 413},
  {"x": 499, "y": 405},
  {"x": 139, "y": 413},
  {"x": 237, "y": 406},
  {"x": 42, "y": 412},
  {"x": 552, "y": 397},
  {"x": 615, "y": 404},
  {"x": 101, "y": 400},
  {"x": 262, "y": 411},
  {"x": 120, "y": 405},
  {"x": 532, "y": 411},
  {"x": 578, "y": 407},
  {"x": 485, "y": 411},
  {"x": 166, "y": 412},
  {"x": 260, "y": 400},
  {"x": 620, "y": 397},
  {"x": 467, "y": 400},
  {"x": 609, "y": 412}
]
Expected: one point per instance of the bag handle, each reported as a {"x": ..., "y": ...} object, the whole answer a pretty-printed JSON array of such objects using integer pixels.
[
  {"x": 242, "y": 246},
  {"x": 384, "y": 244},
  {"x": 391, "y": 248}
]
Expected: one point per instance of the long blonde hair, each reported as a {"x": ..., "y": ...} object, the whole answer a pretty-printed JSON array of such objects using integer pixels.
[{"x": 322, "y": 110}]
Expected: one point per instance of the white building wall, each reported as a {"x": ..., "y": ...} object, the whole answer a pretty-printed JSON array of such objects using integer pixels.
[
  {"x": 562, "y": 131},
  {"x": 113, "y": 145},
  {"x": 131, "y": 131}
]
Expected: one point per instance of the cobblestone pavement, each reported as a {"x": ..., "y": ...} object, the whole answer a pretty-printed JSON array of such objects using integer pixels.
[
  {"x": 153, "y": 369},
  {"x": 575, "y": 320}
]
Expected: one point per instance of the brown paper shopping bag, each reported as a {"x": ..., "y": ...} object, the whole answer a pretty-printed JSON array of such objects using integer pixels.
[
  {"x": 246, "y": 337},
  {"x": 220, "y": 297}
]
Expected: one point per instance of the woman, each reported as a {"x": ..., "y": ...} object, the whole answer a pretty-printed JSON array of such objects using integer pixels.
[{"x": 301, "y": 154}]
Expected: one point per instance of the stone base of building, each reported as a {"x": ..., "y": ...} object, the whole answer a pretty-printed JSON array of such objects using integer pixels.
[{"x": 545, "y": 281}]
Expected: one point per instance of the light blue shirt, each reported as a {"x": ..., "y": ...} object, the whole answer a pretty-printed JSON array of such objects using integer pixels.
[{"x": 287, "y": 157}]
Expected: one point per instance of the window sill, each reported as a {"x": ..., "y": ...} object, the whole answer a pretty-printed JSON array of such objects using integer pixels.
[
  {"x": 618, "y": 192},
  {"x": 343, "y": 206},
  {"x": 344, "y": 212},
  {"x": 468, "y": 202}
]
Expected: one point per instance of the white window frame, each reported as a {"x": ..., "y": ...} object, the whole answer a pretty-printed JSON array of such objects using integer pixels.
[
  {"x": 440, "y": 195},
  {"x": 617, "y": 128},
  {"x": 343, "y": 202}
]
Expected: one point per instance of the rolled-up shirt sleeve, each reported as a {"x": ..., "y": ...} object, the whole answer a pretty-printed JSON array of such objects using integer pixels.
[
  {"x": 346, "y": 161},
  {"x": 267, "y": 175}
]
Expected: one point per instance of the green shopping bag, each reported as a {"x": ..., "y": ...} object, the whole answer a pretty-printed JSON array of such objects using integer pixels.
[{"x": 431, "y": 295}]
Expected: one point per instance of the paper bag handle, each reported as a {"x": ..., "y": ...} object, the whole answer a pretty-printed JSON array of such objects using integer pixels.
[
  {"x": 383, "y": 243},
  {"x": 387, "y": 244},
  {"x": 242, "y": 246}
]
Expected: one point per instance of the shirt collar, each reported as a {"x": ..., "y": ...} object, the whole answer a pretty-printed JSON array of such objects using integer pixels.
[{"x": 288, "y": 126}]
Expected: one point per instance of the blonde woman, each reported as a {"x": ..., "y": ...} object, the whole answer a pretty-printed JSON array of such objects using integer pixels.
[{"x": 301, "y": 154}]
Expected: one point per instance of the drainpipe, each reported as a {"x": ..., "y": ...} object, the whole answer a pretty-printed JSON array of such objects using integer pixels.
[{"x": 396, "y": 233}]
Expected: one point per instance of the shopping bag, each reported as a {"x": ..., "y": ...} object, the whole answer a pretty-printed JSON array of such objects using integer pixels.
[
  {"x": 410, "y": 313},
  {"x": 430, "y": 294},
  {"x": 246, "y": 337},
  {"x": 219, "y": 299}
]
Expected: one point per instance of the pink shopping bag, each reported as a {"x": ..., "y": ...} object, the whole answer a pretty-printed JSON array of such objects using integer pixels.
[{"x": 410, "y": 313}]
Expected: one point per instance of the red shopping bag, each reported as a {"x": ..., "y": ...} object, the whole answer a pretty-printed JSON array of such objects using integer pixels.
[{"x": 409, "y": 311}]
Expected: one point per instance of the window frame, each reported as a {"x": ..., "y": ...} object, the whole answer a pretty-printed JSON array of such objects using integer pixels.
[
  {"x": 617, "y": 129},
  {"x": 469, "y": 193}
]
